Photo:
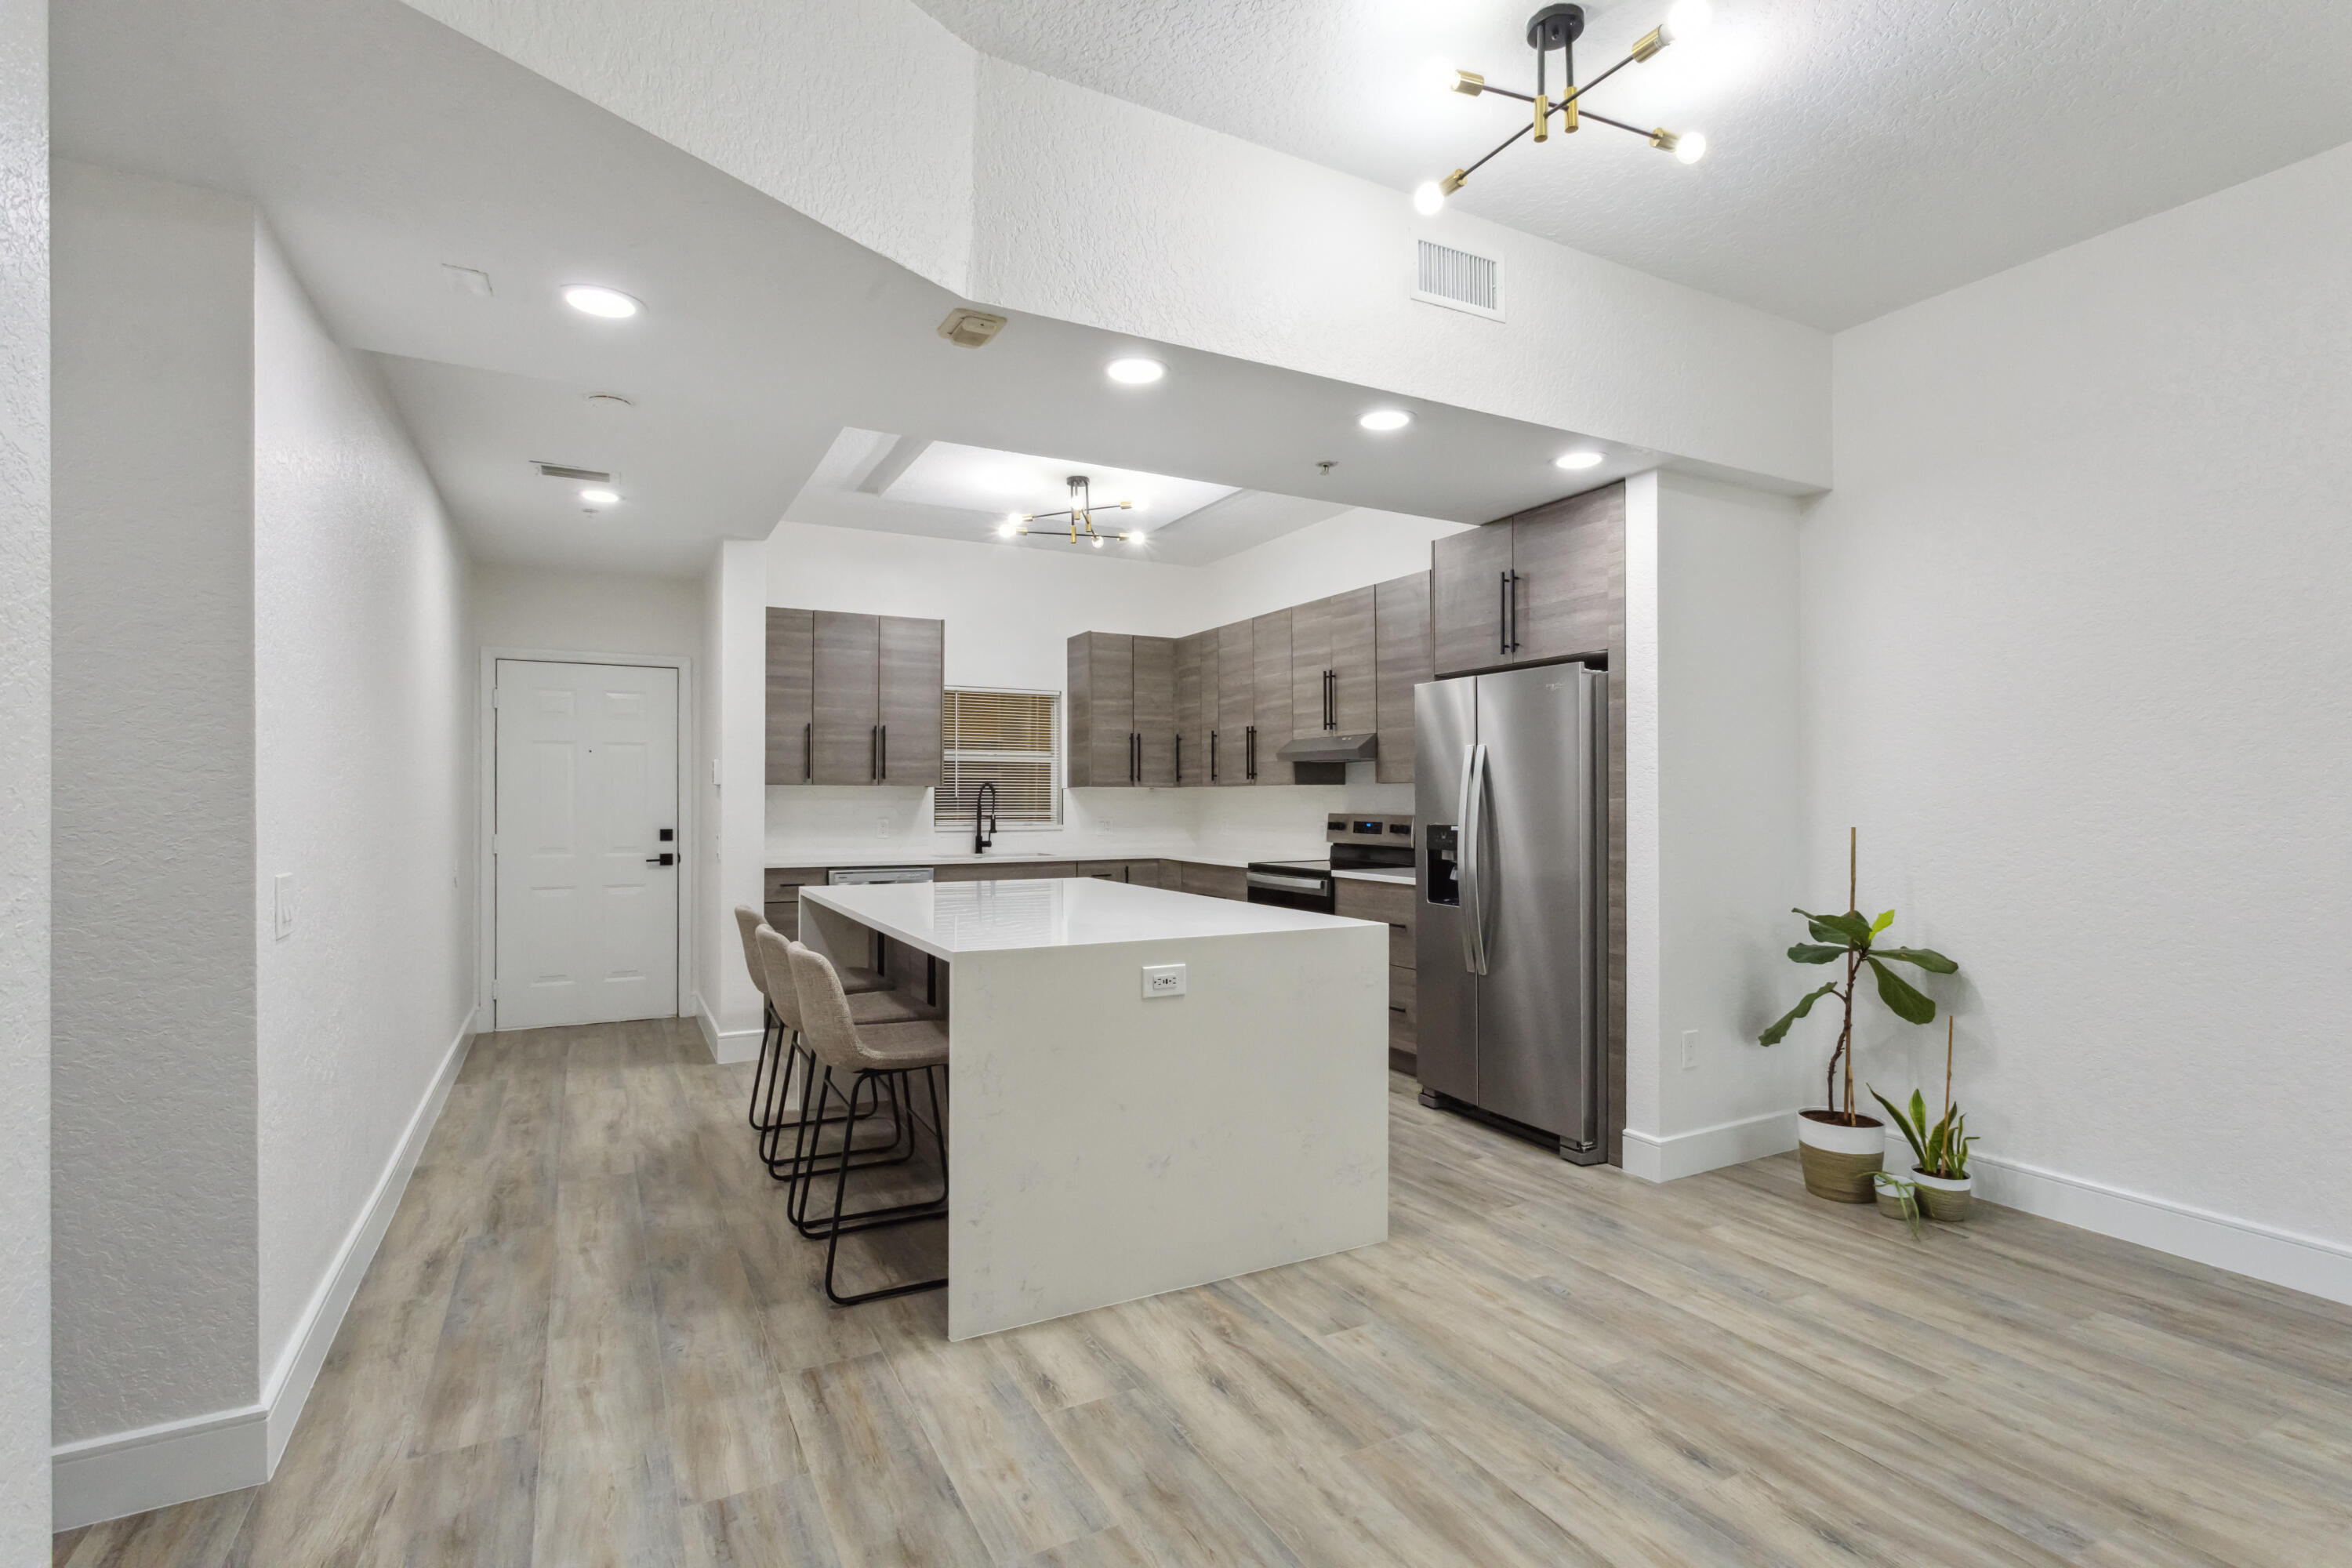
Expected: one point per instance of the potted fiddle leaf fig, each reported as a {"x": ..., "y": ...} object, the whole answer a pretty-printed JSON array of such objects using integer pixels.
[
  {"x": 1841, "y": 1149},
  {"x": 1943, "y": 1185}
]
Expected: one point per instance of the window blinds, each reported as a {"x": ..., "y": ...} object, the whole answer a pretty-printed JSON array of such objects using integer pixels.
[{"x": 1006, "y": 738}]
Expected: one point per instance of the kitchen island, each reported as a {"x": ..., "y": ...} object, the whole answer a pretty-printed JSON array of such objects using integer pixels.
[{"x": 1104, "y": 1144}]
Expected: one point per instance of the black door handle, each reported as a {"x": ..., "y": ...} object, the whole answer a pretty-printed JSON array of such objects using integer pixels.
[{"x": 662, "y": 859}]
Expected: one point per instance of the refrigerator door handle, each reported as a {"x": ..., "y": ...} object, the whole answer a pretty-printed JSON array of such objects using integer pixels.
[{"x": 1472, "y": 858}]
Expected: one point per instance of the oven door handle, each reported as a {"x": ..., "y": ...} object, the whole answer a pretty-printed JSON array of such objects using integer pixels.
[{"x": 1288, "y": 884}]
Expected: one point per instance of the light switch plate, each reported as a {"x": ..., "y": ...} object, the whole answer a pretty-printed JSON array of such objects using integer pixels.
[
  {"x": 1163, "y": 980},
  {"x": 283, "y": 883}
]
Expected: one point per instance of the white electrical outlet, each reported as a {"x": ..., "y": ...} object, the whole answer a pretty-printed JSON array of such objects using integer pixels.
[
  {"x": 881, "y": 828},
  {"x": 1163, "y": 980},
  {"x": 284, "y": 885},
  {"x": 1690, "y": 1050}
]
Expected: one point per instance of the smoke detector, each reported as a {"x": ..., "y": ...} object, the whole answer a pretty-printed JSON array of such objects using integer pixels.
[{"x": 970, "y": 329}]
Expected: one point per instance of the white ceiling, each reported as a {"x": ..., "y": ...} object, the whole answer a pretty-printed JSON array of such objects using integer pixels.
[
  {"x": 381, "y": 146},
  {"x": 1865, "y": 153}
]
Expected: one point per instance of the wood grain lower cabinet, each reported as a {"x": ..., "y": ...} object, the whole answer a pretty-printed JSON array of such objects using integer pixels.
[
  {"x": 1005, "y": 871},
  {"x": 1136, "y": 873},
  {"x": 1391, "y": 903},
  {"x": 792, "y": 695},
  {"x": 781, "y": 895},
  {"x": 1216, "y": 881},
  {"x": 1402, "y": 660}
]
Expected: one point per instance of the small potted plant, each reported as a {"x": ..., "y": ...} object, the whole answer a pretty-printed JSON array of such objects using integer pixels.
[
  {"x": 1841, "y": 1149},
  {"x": 1941, "y": 1176}
]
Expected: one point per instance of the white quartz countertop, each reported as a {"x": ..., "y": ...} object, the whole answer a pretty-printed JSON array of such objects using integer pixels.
[
  {"x": 1399, "y": 876},
  {"x": 945, "y": 919},
  {"x": 869, "y": 857}
]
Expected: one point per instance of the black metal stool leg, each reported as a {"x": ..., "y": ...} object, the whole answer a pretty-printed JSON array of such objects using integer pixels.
[
  {"x": 874, "y": 1218},
  {"x": 770, "y": 1036}
]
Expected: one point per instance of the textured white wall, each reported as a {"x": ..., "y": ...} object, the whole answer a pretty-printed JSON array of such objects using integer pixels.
[
  {"x": 585, "y": 612},
  {"x": 155, "y": 1206},
  {"x": 2077, "y": 662},
  {"x": 1025, "y": 192},
  {"x": 24, "y": 782},
  {"x": 734, "y": 679},
  {"x": 1729, "y": 819},
  {"x": 1357, "y": 547},
  {"x": 364, "y": 693}
]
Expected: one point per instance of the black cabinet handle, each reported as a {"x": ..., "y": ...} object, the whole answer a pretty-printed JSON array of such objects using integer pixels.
[
  {"x": 1502, "y": 612},
  {"x": 873, "y": 753},
  {"x": 808, "y": 753},
  {"x": 886, "y": 751},
  {"x": 1249, "y": 751},
  {"x": 1212, "y": 756},
  {"x": 1179, "y": 756}
]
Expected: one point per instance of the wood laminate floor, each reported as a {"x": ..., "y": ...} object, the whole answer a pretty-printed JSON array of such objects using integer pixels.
[{"x": 590, "y": 1339}]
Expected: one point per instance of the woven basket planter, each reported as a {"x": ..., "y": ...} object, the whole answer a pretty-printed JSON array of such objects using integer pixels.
[{"x": 1839, "y": 1160}]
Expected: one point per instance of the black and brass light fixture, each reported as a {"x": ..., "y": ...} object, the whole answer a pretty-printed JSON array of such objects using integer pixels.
[
  {"x": 1558, "y": 27},
  {"x": 1079, "y": 518}
]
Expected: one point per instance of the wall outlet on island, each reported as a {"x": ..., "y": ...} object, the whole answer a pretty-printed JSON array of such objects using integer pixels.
[
  {"x": 1163, "y": 980},
  {"x": 881, "y": 828}
]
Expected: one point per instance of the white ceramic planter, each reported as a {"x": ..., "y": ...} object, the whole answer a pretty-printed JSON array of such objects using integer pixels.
[
  {"x": 1839, "y": 1160},
  {"x": 1941, "y": 1198}
]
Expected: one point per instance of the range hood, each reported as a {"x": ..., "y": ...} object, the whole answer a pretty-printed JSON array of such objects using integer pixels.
[{"x": 1325, "y": 746}]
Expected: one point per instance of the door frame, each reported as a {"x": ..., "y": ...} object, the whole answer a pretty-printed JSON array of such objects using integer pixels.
[{"x": 486, "y": 811}]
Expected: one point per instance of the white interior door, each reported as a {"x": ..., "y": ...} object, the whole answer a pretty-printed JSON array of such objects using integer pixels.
[{"x": 586, "y": 790}]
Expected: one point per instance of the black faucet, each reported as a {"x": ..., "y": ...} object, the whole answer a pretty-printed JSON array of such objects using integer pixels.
[{"x": 983, "y": 838}]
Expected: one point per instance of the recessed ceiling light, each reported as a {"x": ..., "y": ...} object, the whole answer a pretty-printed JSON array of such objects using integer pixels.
[
  {"x": 1135, "y": 372},
  {"x": 1576, "y": 460},
  {"x": 1386, "y": 419},
  {"x": 591, "y": 300},
  {"x": 595, "y": 497}
]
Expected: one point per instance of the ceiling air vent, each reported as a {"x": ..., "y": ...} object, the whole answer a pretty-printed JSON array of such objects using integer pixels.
[
  {"x": 558, "y": 471},
  {"x": 1458, "y": 279}
]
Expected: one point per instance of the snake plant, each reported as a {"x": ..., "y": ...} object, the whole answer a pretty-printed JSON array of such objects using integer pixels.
[{"x": 1942, "y": 1148}]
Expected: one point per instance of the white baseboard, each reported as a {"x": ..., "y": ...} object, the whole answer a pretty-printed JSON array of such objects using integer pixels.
[
  {"x": 2305, "y": 1263},
  {"x": 1667, "y": 1157},
  {"x": 179, "y": 1461},
  {"x": 727, "y": 1045}
]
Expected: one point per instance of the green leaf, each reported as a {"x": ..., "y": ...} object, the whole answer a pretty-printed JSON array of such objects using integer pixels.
[
  {"x": 1918, "y": 1109},
  {"x": 1933, "y": 1163},
  {"x": 1926, "y": 958},
  {"x": 1849, "y": 928},
  {"x": 1809, "y": 953},
  {"x": 1773, "y": 1036},
  {"x": 1900, "y": 998},
  {"x": 1901, "y": 1120},
  {"x": 1882, "y": 922}
]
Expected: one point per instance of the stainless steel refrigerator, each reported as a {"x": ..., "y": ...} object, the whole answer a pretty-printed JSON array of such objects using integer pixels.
[{"x": 1511, "y": 795}]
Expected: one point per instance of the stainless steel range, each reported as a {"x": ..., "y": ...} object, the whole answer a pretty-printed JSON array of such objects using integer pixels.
[{"x": 1360, "y": 842}]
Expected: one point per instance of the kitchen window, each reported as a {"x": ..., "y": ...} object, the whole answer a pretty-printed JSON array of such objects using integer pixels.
[{"x": 1009, "y": 738}]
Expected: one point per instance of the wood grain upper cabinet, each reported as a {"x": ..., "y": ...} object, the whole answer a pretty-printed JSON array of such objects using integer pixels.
[
  {"x": 846, "y": 660},
  {"x": 1102, "y": 711},
  {"x": 1568, "y": 561},
  {"x": 1154, "y": 710},
  {"x": 1310, "y": 666},
  {"x": 1402, "y": 653},
  {"x": 1354, "y": 701},
  {"x": 1270, "y": 698},
  {"x": 1192, "y": 758},
  {"x": 1236, "y": 677},
  {"x": 911, "y": 675},
  {"x": 1468, "y": 574},
  {"x": 792, "y": 695},
  {"x": 1548, "y": 583}
]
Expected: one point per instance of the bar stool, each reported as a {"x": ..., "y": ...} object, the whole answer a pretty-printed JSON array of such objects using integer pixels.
[
  {"x": 772, "y": 1060},
  {"x": 771, "y": 948},
  {"x": 872, "y": 1055}
]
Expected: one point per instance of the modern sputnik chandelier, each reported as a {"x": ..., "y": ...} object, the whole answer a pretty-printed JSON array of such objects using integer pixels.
[
  {"x": 1558, "y": 27},
  {"x": 1079, "y": 517}
]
